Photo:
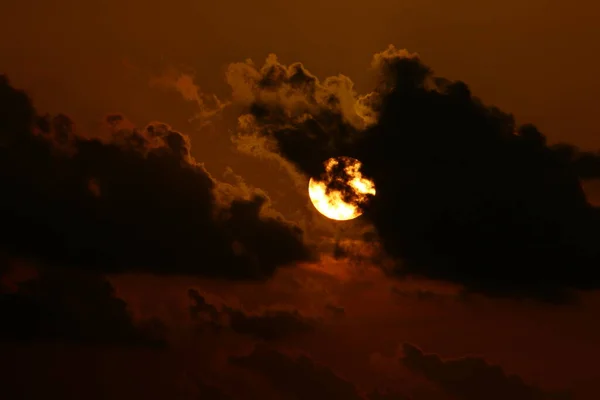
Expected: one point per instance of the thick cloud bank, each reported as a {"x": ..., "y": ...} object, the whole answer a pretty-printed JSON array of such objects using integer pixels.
[
  {"x": 463, "y": 193},
  {"x": 136, "y": 200}
]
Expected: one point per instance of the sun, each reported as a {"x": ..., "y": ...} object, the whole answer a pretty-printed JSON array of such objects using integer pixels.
[{"x": 348, "y": 189}]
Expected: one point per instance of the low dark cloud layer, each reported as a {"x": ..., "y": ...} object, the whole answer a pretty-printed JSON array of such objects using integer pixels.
[
  {"x": 464, "y": 194},
  {"x": 471, "y": 378},
  {"x": 72, "y": 307},
  {"x": 270, "y": 325},
  {"x": 321, "y": 363},
  {"x": 461, "y": 379},
  {"x": 297, "y": 378},
  {"x": 134, "y": 200}
]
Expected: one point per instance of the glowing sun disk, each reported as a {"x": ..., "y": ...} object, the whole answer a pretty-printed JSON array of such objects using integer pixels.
[{"x": 332, "y": 204}]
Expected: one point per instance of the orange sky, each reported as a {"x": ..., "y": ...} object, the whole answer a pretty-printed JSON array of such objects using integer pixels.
[{"x": 538, "y": 59}]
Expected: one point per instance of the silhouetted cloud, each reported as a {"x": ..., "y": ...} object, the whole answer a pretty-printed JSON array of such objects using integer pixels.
[
  {"x": 270, "y": 325},
  {"x": 336, "y": 311},
  {"x": 134, "y": 200},
  {"x": 72, "y": 307},
  {"x": 378, "y": 395},
  {"x": 463, "y": 193},
  {"x": 471, "y": 378},
  {"x": 210, "y": 392},
  {"x": 299, "y": 378}
]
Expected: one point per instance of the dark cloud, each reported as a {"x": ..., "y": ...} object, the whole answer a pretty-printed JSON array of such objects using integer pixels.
[
  {"x": 134, "y": 200},
  {"x": 299, "y": 378},
  {"x": 336, "y": 311},
  {"x": 75, "y": 308},
  {"x": 338, "y": 172},
  {"x": 210, "y": 392},
  {"x": 585, "y": 163},
  {"x": 420, "y": 294},
  {"x": 270, "y": 325},
  {"x": 378, "y": 395},
  {"x": 463, "y": 193},
  {"x": 471, "y": 378}
]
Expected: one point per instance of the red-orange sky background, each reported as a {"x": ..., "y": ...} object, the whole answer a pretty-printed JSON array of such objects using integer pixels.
[{"x": 538, "y": 59}]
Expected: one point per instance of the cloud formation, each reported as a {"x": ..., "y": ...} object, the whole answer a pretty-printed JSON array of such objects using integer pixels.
[
  {"x": 464, "y": 194},
  {"x": 299, "y": 378},
  {"x": 489, "y": 193},
  {"x": 471, "y": 378},
  {"x": 270, "y": 325},
  {"x": 132, "y": 200},
  {"x": 71, "y": 307}
]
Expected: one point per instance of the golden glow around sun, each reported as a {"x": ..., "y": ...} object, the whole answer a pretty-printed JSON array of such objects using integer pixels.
[{"x": 332, "y": 204}]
